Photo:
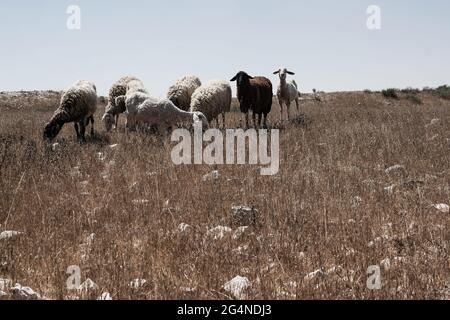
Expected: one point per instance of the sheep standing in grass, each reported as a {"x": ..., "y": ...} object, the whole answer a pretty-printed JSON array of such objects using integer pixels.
[
  {"x": 212, "y": 99},
  {"x": 254, "y": 93},
  {"x": 78, "y": 104},
  {"x": 112, "y": 110},
  {"x": 162, "y": 114},
  {"x": 180, "y": 93},
  {"x": 287, "y": 91}
]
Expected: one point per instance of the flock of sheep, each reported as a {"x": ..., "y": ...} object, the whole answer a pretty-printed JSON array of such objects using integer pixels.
[{"x": 188, "y": 102}]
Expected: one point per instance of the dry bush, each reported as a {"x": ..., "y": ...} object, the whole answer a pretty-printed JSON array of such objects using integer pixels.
[{"x": 322, "y": 210}]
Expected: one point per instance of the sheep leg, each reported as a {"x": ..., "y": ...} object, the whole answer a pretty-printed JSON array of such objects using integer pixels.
[
  {"x": 82, "y": 131},
  {"x": 265, "y": 120},
  {"x": 281, "y": 108},
  {"x": 223, "y": 120},
  {"x": 92, "y": 125},
  {"x": 254, "y": 119},
  {"x": 296, "y": 102},
  {"x": 116, "y": 122},
  {"x": 247, "y": 115},
  {"x": 77, "y": 130},
  {"x": 259, "y": 120},
  {"x": 288, "y": 106}
]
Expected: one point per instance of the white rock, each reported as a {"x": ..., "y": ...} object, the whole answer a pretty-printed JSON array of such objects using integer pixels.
[
  {"x": 20, "y": 292},
  {"x": 101, "y": 156},
  {"x": 56, "y": 146},
  {"x": 390, "y": 190},
  {"x": 114, "y": 146},
  {"x": 320, "y": 273},
  {"x": 442, "y": 207},
  {"x": 239, "y": 232},
  {"x": 140, "y": 201},
  {"x": 396, "y": 169},
  {"x": 105, "y": 296},
  {"x": 4, "y": 284},
  {"x": 88, "y": 285},
  {"x": 219, "y": 232},
  {"x": 184, "y": 228},
  {"x": 237, "y": 287},
  {"x": 6, "y": 235},
  {"x": 433, "y": 122},
  {"x": 386, "y": 264},
  {"x": 214, "y": 175},
  {"x": 137, "y": 283}
]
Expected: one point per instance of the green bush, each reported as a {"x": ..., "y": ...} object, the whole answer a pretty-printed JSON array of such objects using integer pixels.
[
  {"x": 390, "y": 93},
  {"x": 410, "y": 90},
  {"x": 414, "y": 99},
  {"x": 443, "y": 92}
]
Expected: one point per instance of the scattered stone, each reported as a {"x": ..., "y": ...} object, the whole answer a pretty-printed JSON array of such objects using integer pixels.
[
  {"x": 105, "y": 296},
  {"x": 184, "y": 228},
  {"x": 219, "y": 232},
  {"x": 237, "y": 287},
  {"x": 56, "y": 146},
  {"x": 19, "y": 292},
  {"x": 320, "y": 273},
  {"x": 212, "y": 176},
  {"x": 239, "y": 232},
  {"x": 88, "y": 285},
  {"x": 7, "y": 235},
  {"x": 433, "y": 122},
  {"x": 140, "y": 202},
  {"x": 244, "y": 215},
  {"x": 397, "y": 169},
  {"x": 114, "y": 146},
  {"x": 137, "y": 283},
  {"x": 390, "y": 190},
  {"x": 442, "y": 207}
]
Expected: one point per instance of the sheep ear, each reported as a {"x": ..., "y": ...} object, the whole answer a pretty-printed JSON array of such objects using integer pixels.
[
  {"x": 290, "y": 72},
  {"x": 234, "y": 79},
  {"x": 277, "y": 72}
]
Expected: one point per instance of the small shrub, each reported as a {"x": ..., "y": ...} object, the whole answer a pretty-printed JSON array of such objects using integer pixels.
[
  {"x": 367, "y": 91},
  {"x": 414, "y": 99},
  {"x": 410, "y": 90},
  {"x": 443, "y": 92},
  {"x": 390, "y": 93}
]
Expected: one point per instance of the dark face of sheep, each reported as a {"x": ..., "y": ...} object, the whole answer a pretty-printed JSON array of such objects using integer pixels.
[
  {"x": 51, "y": 130},
  {"x": 242, "y": 79}
]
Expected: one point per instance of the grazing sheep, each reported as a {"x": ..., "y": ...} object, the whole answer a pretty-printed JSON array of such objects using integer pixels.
[
  {"x": 78, "y": 104},
  {"x": 287, "y": 91},
  {"x": 136, "y": 94},
  {"x": 112, "y": 110},
  {"x": 162, "y": 114},
  {"x": 180, "y": 93},
  {"x": 212, "y": 100},
  {"x": 254, "y": 93}
]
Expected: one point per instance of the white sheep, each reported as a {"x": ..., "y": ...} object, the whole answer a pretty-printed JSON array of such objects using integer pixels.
[
  {"x": 112, "y": 110},
  {"x": 180, "y": 93},
  {"x": 287, "y": 91},
  {"x": 212, "y": 99},
  {"x": 78, "y": 104},
  {"x": 162, "y": 114}
]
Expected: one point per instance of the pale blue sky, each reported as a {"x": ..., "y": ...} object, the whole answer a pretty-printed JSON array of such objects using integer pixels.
[{"x": 326, "y": 42}]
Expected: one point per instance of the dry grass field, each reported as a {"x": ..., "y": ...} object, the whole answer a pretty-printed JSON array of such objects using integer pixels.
[{"x": 116, "y": 211}]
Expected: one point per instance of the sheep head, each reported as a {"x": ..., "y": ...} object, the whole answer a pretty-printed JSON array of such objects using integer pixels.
[
  {"x": 51, "y": 130},
  {"x": 108, "y": 121},
  {"x": 282, "y": 73},
  {"x": 199, "y": 117},
  {"x": 242, "y": 79}
]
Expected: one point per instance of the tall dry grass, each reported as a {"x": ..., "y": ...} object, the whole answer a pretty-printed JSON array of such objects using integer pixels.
[{"x": 322, "y": 210}]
